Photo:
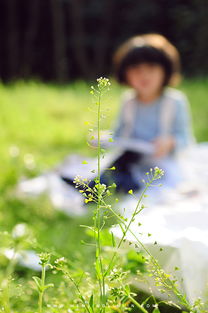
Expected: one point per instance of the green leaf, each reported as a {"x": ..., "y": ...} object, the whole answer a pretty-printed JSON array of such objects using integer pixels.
[
  {"x": 37, "y": 281},
  {"x": 113, "y": 240},
  {"x": 156, "y": 310},
  {"x": 98, "y": 269},
  {"x": 91, "y": 301},
  {"x": 48, "y": 286},
  {"x": 127, "y": 290}
]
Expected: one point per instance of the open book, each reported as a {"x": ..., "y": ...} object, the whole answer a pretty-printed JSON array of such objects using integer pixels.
[
  {"x": 129, "y": 144},
  {"x": 76, "y": 165},
  {"x": 123, "y": 143}
]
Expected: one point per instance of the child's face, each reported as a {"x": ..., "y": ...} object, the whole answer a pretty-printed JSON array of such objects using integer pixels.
[{"x": 146, "y": 78}]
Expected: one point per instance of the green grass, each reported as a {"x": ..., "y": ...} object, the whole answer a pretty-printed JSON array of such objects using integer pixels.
[
  {"x": 197, "y": 93},
  {"x": 44, "y": 123}
]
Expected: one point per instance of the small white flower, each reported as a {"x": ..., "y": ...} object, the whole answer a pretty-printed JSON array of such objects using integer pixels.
[
  {"x": 19, "y": 230},
  {"x": 14, "y": 151},
  {"x": 29, "y": 161}
]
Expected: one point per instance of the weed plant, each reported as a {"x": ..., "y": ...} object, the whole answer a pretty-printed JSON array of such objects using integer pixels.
[{"x": 107, "y": 269}]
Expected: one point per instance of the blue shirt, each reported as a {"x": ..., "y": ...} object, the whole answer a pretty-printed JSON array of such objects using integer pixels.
[{"x": 146, "y": 122}]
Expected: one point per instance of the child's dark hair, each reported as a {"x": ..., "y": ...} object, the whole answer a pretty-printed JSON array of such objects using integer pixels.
[{"x": 149, "y": 48}]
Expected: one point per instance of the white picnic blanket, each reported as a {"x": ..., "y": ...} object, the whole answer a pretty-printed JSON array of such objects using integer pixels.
[
  {"x": 63, "y": 196},
  {"x": 177, "y": 220}
]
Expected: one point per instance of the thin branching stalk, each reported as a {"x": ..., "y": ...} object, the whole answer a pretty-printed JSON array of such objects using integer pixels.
[
  {"x": 137, "y": 304},
  {"x": 126, "y": 228},
  {"x": 164, "y": 278},
  {"x": 101, "y": 276},
  {"x": 40, "y": 300},
  {"x": 79, "y": 292}
]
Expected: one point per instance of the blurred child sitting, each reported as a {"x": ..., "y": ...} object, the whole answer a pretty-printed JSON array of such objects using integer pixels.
[
  {"x": 150, "y": 111},
  {"x": 153, "y": 126}
]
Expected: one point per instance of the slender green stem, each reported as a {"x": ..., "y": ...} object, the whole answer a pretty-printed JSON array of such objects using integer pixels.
[
  {"x": 98, "y": 215},
  {"x": 133, "y": 216},
  {"x": 98, "y": 134},
  {"x": 127, "y": 228},
  {"x": 79, "y": 292},
  {"x": 138, "y": 305},
  {"x": 9, "y": 271},
  {"x": 40, "y": 300},
  {"x": 167, "y": 282}
]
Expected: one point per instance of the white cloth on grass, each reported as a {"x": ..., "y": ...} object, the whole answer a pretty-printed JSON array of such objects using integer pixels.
[
  {"x": 62, "y": 195},
  {"x": 177, "y": 219}
]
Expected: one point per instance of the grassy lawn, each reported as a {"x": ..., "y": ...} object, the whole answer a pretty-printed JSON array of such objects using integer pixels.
[{"x": 41, "y": 124}]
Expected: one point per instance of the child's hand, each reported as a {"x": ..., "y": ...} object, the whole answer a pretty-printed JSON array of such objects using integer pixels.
[{"x": 163, "y": 146}]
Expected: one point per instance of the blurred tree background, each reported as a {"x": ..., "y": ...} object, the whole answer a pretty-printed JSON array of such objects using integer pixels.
[{"x": 62, "y": 40}]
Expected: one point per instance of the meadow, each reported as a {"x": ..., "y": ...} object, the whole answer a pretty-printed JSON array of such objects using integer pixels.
[{"x": 40, "y": 125}]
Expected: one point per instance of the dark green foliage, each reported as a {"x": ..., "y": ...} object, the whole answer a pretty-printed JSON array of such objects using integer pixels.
[{"x": 67, "y": 39}]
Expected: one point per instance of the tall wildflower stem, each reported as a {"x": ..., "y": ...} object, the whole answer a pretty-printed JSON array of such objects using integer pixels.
[
  {"x": 103, "y": 84},
  {"x": 40, "y": 300},
  {"x": 98, "y": 215},
  {"x": 98, "y": 135}
]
